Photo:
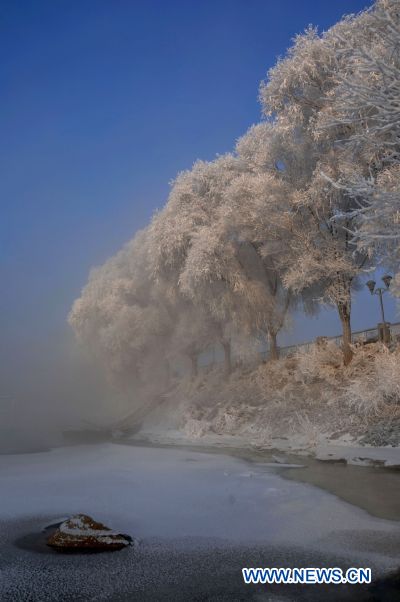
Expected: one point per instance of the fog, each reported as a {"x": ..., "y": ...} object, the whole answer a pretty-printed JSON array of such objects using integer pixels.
[{"x": 51, "y": 384}]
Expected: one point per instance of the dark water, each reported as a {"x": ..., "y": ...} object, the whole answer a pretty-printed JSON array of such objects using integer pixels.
[{"x": 376, "y": 490}]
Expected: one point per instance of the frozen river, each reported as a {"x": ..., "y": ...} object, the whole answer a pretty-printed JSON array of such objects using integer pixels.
[{"x": 198, "y": 519}]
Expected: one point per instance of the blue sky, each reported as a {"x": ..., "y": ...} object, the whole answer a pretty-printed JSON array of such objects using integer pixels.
[{"x": 102, "y": 103}]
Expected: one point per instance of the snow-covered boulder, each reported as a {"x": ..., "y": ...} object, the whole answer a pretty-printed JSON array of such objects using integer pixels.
[{"x": 81, "y": 532}]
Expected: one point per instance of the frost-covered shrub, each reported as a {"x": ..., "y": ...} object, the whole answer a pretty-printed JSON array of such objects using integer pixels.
[
  {"x": 263, "y": 432},
  {"x": 361, "y": 395},
  {"x": 274, "y": 376},
  {"x": 305, "y": 397},
  {"x": 307, "y": 429},
  {"x": 195, "y": 429},
  {"x": 385, "y": 432},
  {"x": 377, "y": 390},
  {"x": 320, "y": 361},
  {"x": 226, "y": 421},
  {"x": 387, "y": 368}
]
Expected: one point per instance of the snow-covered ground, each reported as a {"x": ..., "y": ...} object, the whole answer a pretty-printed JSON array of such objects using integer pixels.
[{"x": 166, "y": 496}]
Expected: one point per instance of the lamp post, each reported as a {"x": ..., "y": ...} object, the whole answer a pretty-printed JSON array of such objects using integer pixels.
[{"x": 385, "y": 336}]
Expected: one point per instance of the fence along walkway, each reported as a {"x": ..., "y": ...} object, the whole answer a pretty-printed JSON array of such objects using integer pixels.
[{"x": 359, "y": 336}]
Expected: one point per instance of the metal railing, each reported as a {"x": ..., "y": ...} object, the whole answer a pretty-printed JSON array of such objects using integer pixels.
[{"x": 369, "y": 335}]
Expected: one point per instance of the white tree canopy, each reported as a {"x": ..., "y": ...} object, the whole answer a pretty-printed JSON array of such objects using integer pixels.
[{"x": 300, "y": 208}]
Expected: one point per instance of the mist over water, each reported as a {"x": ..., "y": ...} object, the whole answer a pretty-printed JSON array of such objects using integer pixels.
[
  {"x": 50, "y": 387},
  {"x": 51, "y": 384}
]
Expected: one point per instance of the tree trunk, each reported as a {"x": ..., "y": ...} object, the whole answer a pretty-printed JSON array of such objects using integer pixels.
[
  {"x": 344, "y": 309},
  {"x": 273, "y": 346},
  {"x": 227, "y": 358},
  {"x": 194, "y": 370}
]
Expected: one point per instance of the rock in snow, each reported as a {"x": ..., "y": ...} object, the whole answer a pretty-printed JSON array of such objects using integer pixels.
[{"x": 81, "y": 532}]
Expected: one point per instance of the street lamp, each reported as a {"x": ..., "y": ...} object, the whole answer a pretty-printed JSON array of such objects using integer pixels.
[{"x": 379, "y": 291}]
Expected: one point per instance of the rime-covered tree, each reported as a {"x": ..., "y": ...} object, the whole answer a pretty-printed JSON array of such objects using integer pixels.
[
  {"x": 121, "y": 316},
  {"x": 363, "y": 114},
  {"x": 254, "y": 204},
  {"x": 296, "y": 93},
  {"x": 194, "y": 333},
  {"x": 177, "y": 232},
  {"x": 295, "y": 213}
]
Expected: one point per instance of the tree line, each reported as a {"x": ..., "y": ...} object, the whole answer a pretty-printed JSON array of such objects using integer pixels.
[{"x": 304, "y": 205}]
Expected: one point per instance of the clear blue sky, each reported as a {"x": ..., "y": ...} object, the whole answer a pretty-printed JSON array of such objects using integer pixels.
[{"x": 102, "y": 103}]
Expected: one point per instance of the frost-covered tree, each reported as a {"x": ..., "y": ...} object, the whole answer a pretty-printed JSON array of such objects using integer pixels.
[
  {"x": 295, "y": 213},
  {"x": 296, "y": 93},
  {"x": 215, "y": 278},
  {"x": 254, "y": 201},
  {"x": 194, "y": 200},
  {"x": 194, "y": 333},
  {"x": 179, "y": 232},
  {"x": 363, "y": 114},
  {"x": 121, "y": 316},
  {"x": 233, "y": 264}
]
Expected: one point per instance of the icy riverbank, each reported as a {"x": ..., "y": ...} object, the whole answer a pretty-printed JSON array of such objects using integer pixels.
[{"x": 342, "y": 449}]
